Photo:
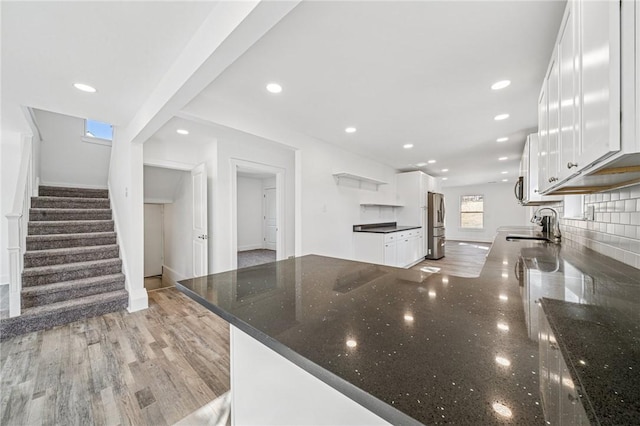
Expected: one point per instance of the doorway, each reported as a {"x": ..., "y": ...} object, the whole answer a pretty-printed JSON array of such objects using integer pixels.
[
  {"x": 257, "y": 217},
  {"x": 175, "y": 224}
]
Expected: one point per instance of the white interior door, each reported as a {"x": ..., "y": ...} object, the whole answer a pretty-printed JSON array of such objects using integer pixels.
[
  {"x": 153, "y": 240},
  {"x": 270, "y": 219},
  {"x": 199, "y": 233}
]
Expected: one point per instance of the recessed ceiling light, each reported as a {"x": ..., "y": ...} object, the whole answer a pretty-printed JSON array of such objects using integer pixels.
[
  {"x": 445, "y": 170},
  {"x": 501, "y": 117},
  {"x": 421, "y": 164},
  {"x": 431, "y": 161},
  {"x": 444, "y": 178},
  {"x": 407, "y": 146},
  {"x": 500, "y": 84},
  {"x": 503, "y": 158},
  {"x": 182, "y": 132},
  {"x": 505, "y": 180},
  {"x": 274, "y": 88},
  {"x": 350, "y": 130},
  {"x": 84, "y": 87},
  {"x": 502, "y": 139},
  {"x": 504, "y": 172}
]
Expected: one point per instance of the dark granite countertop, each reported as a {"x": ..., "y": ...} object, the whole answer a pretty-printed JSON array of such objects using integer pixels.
[
  {"x": 602, "y": 351},
  {"x": 383, "y": 228},
  {"x": 430, "y": 348}
]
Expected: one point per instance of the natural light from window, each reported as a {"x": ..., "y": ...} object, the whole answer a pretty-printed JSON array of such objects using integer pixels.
[
  {"x": 98, "y": 129},
  {"x": 472, "y": 211}
]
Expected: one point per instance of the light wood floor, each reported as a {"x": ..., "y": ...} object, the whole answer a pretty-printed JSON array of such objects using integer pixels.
[
  {"x": 461, "y": 259},
  {"x": 152, "y": 367}
]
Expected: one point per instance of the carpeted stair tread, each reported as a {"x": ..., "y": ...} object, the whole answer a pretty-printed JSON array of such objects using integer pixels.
[
  {"x": 61, "y": 191},
  {"x": 63, "y": 285},
  {"x": 51, "y": 315},
  {"x": 57, "y": 214},
  {"x": 51, "y": 269},
  {"x": 69, "y": 255},
  {"x": 68, "y": 304},
  {"x": 69, "y": 203},
  {"x": 69, "y": 226},
  {"x": 50, "y": 241},
  {"x": 69, "y": 271},
  {"x": 66, "y": 290}
]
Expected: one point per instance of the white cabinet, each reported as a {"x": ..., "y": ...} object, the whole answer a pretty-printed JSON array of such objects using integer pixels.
[
  {"x": 412, "y": 189},
  {"x": 529, "y": 172},
  {"x": 560, "y": 395},
  {"x": 600, "y": 80},
  {"x": 587, "y": 109},
  {"x": 401, "y": 249}
]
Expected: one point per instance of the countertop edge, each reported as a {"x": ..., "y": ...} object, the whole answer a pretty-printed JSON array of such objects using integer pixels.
[
  {"x": 374, "y": 231},
  {"x": 368, "y": 401}
]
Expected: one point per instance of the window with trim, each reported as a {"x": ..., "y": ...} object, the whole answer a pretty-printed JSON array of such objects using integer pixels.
[
  {"x": 97, "y": 132},
  {"x": 472, "y": 211}
]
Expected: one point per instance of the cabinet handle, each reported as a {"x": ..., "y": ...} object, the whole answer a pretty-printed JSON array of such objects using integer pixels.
[
  {"x": 570, "y": 165},
  {"x": 573, "y": 399},
  {"x": 553, "y": 346},
  {"x": 535, "y": 190},
  {"x": 553, "y": 179}
]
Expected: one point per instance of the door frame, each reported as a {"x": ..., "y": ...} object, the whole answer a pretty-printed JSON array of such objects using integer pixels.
[
  {"x": 184, "y": 167},
  {"x": 279, "y": 172}
]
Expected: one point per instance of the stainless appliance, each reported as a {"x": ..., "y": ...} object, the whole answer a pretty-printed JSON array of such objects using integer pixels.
[
  {"x": 519, "y": 190},
  {"x": 435, "y": 225}
]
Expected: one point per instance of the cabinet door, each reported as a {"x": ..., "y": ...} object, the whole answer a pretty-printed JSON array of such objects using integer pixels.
[
  {"x": 553, "y": 92},
  {"x": 543, "y": 139},
  {"x": 568, "y": 60},
  {"x": 390, "y": 255},
  {"x": 600, "y": 80},
  {"x": 403, "y": 252}
]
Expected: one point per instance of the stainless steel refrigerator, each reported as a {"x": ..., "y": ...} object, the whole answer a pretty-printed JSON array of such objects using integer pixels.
[{"x": 435, "y": 225}]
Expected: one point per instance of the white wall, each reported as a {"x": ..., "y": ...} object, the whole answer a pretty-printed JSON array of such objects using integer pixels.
[
  {"x": 250, "y": 214},
  {"x": 153, "y": 239},
  {"x": 178, "y": 250},
  {"x": 10, "y": 155},
  {"x": 66, "y": 160},
  {"x": 500, "y": 209}
]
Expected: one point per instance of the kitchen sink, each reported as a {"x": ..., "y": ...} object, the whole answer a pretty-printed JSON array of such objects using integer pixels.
[{"x": 528, "y": 238}]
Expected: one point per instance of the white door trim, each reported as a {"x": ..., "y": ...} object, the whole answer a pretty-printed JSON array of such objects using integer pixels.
[{"x": 280, "y": 203}]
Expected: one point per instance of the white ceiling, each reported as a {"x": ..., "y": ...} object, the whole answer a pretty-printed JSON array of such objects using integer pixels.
[
  {"x": 402, "y": 72},
  {"x": 122, "y": 48}
]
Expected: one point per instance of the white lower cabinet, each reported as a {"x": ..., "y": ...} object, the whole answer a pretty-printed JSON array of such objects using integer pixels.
[
  {"x": 401, "y": 249},
  {"x": 560, "y": 395}
]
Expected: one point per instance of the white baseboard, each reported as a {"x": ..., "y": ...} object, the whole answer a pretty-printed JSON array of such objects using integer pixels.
[
  {"x": 250, "y": 247},
  {"x": 73, "y": 185},
  {"x": 138, "y": 301},
  {"x": 172, "y": 275}
]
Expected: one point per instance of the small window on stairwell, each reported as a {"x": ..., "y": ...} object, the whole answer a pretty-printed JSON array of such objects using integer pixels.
[{"x": 97, "y": 132}]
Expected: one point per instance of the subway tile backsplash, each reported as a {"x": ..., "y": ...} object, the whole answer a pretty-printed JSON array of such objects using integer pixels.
[{"x": 615, "y": 230}]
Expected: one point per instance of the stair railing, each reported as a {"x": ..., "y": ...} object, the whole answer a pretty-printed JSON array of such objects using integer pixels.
[{"x": 18, "y": 222}]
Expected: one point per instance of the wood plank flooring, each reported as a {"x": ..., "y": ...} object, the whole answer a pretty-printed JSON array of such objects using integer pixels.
[
  {"x": 462, "y": 259},
  {"x": 153, "y": 367}
]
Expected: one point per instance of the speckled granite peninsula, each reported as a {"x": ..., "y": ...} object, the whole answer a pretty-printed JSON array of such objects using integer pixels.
[{"x": 419, "y": 347}]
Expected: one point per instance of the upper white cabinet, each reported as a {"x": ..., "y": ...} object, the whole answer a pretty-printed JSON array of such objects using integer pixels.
[
  {"x": 529, "y": 171},
  {"x": 412, "y": 188},
  {"x": 600, "y": 79},
  {"x": 587, "y": 111}
]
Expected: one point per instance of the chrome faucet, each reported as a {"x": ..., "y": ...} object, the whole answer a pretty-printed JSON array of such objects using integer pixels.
[{"x": 537, "y": 219}]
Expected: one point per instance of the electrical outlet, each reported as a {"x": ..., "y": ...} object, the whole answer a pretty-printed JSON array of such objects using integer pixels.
[{"x": 590, "y": 213}]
